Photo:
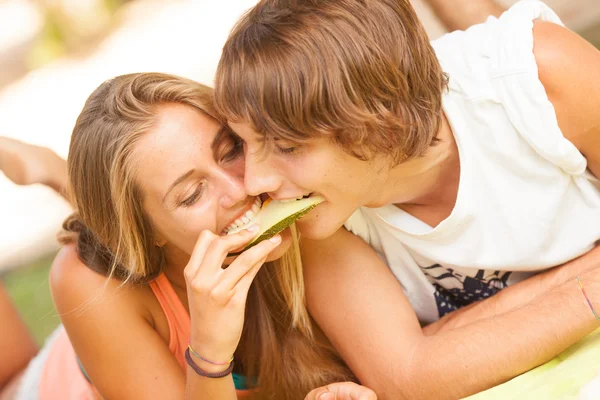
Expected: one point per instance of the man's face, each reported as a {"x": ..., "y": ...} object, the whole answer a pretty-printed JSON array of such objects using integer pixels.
[{"x": 319, "y": 167}]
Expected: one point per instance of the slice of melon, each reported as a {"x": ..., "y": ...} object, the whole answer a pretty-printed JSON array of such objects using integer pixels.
[{"x": 275, "y": 216}]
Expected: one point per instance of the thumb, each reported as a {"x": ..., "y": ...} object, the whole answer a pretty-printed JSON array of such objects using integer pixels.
[{"x": 327, "y": 396}]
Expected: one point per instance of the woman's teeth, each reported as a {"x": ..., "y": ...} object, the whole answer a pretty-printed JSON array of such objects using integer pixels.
[
  {"x": 247, "y": 217},
  {"x": 251, "y": 213}
]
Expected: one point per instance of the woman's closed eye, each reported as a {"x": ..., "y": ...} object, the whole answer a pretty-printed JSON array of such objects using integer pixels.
[
  {"x": 232, "y": 149},
  {"x": 193, "y": 197},
  {"x": 236, "y": 150}
]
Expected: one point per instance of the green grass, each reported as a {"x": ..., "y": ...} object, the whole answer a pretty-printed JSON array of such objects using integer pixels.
[{"x": 28, "y": 286}]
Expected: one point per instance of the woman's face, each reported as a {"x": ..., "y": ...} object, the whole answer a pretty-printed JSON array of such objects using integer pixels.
[{"x": 192, "y": 175}]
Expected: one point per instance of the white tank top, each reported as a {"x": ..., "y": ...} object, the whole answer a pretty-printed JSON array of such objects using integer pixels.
[{"x": 526, "y": 201}]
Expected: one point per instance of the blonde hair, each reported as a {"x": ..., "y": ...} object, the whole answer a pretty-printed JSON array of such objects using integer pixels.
[
  {"x": 114, "y": 236},
  {"x": 361, "y": 72}
]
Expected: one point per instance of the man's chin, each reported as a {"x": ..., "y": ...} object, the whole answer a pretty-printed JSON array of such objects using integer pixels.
[
  {"x": 315, "y": 229},
  {"x": 286, "y": 243}
]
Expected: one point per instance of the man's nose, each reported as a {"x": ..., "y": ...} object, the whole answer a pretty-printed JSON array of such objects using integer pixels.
[
  {"x": 233, "y": 190},
  {"x": 260, "y": 176}
]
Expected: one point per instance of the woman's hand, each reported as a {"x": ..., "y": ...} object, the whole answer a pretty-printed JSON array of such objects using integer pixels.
[
  {"x": 342, "y": 391},
  {"x": 217, "y": 295}
]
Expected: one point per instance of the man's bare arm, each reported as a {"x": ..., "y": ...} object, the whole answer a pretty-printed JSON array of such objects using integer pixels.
[
  {"x": 517, "y": 295},
  {"x": 361, "y": 307}
]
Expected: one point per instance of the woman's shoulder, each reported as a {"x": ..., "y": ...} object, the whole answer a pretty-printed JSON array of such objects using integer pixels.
[
  {"x": 67, "y": 262},
  {"x": 115, "y": 328},
  {"x": 71, "y": 278},
  {"x": 75, "y": 286}
]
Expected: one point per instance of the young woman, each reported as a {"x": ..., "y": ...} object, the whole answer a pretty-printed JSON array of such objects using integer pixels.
[
  {"x": 467, "y": 166},
  {"x": 155, "y": 178}
]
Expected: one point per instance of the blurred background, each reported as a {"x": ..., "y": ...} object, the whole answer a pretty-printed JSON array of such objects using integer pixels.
[{"x": 53, "y": 53}]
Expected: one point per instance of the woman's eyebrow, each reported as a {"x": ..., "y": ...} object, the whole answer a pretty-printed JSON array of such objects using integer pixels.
[{"x": 177, "y": 182}]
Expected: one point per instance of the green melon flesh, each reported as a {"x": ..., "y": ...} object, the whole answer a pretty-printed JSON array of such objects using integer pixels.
[{"x": 276, "y": 216}]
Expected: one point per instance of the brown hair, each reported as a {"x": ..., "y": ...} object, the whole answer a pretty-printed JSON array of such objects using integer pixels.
[
  {"x": 114, "y": 236},
  {"x": 361, "y": 72}
]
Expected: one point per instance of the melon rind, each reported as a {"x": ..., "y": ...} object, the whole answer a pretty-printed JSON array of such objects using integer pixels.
[{"x": 271, "y": 224}]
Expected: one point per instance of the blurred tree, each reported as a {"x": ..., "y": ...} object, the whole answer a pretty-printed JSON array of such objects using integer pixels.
[{"x": 72, "y": 26}]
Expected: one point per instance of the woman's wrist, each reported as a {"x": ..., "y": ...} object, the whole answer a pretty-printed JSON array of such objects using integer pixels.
[
  {"x": 211, "y": 368},
  {"x": 207, "y": 358}
]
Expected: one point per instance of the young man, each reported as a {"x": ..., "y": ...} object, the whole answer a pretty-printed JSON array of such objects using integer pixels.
[{"x": 463, "y": 186}]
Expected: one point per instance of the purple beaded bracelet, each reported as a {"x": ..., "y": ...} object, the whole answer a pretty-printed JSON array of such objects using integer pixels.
[{"x": 201, "y": 372}]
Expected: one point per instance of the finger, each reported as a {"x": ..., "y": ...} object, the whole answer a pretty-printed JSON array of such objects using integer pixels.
[
  {"x": 342, "y": 391},
  {"x": 247, "y": 265},
  {"x": 320, "y": 394},
  {"x": 219, "y": 249},
  {"x": 351, "y": 391},
  {"x": 211, "y": 249},
  {"x": 202, "y": 244},
  {"x": 241, "y": 288}
]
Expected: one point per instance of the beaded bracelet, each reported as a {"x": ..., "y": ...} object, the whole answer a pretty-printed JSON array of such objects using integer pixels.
[
  {"x": 201, "y": 372},
  {"x": 204, "y": 359},
  {"x": 588, "y": 299}
]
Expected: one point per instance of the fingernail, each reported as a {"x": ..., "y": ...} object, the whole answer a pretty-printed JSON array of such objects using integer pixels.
[
  {"x": 253, "y": 228},
  {"x": 326, "y": 396},
  {"x": 275, "y": 239}
]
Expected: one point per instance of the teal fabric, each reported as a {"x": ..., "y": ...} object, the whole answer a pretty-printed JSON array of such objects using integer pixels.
[
  {"x": 240, "y": 382},
  {"x": 83, "y": 370}
]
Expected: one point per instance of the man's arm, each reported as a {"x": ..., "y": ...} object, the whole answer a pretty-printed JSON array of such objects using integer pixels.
[
  {"x": 460, "y": 14},
  {"x": 360, "y": 305},
  {"x": 516, "y": 295}
]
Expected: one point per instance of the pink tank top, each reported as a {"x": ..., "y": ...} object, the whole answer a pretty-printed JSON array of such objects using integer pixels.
[{"x": 63, "y": 379}]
